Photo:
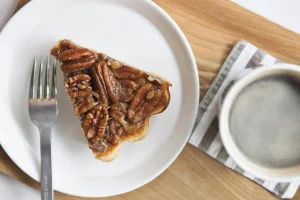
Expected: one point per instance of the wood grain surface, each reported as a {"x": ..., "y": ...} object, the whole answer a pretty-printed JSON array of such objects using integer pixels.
[{"x": 212, "y": 27}]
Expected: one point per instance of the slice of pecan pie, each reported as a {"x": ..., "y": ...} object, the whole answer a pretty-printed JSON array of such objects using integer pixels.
[{"x": 112, "y": 99}]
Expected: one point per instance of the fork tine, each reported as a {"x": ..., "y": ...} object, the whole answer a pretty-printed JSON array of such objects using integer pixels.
[
  {"x": 53, "y": 88},
  {"x": 46, "y": 84},
  {"x": 32, "y": 87},
  {"x": 40, "y": 81}
]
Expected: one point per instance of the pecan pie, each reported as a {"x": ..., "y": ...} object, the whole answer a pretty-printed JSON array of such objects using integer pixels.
[{"x": 112, "y": 99}]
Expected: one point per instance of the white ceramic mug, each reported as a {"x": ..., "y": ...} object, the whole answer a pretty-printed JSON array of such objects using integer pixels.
[{"x": 227, "y": 100}]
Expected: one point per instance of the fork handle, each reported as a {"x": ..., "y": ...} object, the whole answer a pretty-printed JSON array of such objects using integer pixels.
[{"x": 46, "y": 164}]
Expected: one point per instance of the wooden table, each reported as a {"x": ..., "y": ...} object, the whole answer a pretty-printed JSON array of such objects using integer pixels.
[{"x": 212, "y": 28}]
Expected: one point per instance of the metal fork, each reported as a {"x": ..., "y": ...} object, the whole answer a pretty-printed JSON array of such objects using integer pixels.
[{"x": 43, "y": 113}]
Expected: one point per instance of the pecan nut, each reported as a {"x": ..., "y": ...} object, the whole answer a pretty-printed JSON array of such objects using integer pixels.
[
  {"x": 96, "y": 95},
  {"x": 122, "y": 107},
  {"x": 83, "y": 85},
  {"x": 96, "y": 119},
  {"x": 86, "y": 122},
  {"x": 140, "y": 81},
  {"x": 138, "y": 99},
  {"x": 84, "y": 107},
  {"x": 126, "y": 95},
  {"x": 145, "y": 110},
  {"x": 115, "y": 139},
  {"x": 119, "y": 117},
  {"x": 128, "y": 83},
  {"x": 73, "y": 93},
  {"x": 150, "y": 95},
  {"x": 74, "y": 54},
  {"x": 77, "y": 65},
  {"x": 78, "y": 78},
  {"x": 120, "y": 131},
  {"x": 95, "y": 140},
  {"x": 62, "y": 46},
  {"x": 128, "y": 72},
  {"x": 113, "y": 126},
  {"x": 98, "y": 67},
  {"x": 102, "y": 56},
  {"x": 98, "y": 84},
  {"x": 112, "y": 85},
  {"x": 114, "y": 64},
  {"x": 90, "y": 133},
  {"x": 103, "y": 121}
]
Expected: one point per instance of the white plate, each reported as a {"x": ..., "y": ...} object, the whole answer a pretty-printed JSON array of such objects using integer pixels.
[
  {"x": 135, "y": 31},
  {"x": 9, "y": 186}
]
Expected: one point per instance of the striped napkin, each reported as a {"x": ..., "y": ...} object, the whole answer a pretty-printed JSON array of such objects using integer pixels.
[{"x": 206, "y": 136}]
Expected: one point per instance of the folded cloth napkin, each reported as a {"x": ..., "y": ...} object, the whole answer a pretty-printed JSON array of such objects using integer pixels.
[{"x": 206, "y": 136}]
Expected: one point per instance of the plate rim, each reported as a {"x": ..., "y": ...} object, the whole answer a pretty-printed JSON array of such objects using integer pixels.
[
  {"x": 13, "y": 5},
  {"x": 196, "y": 99}
]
